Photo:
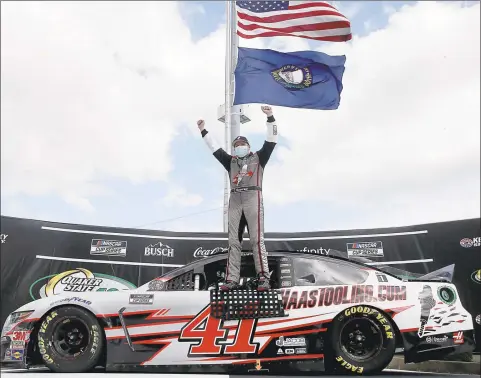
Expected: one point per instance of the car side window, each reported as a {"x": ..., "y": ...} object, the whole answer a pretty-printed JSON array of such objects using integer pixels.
[{"x": 309, "y": 272}]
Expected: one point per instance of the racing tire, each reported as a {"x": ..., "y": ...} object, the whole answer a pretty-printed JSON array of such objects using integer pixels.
[
  {"x": 361, "y": 340},
  {"x": 70, "y": 340}
]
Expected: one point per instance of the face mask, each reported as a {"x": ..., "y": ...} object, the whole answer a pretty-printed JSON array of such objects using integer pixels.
[{"x": 241, "y": 151}]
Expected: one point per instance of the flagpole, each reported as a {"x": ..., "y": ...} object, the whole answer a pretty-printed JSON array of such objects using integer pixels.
[
  {"x": 227, "y": 108},
  {"x": 232, "y": 113},
  {"x": 236, "y": 109}
]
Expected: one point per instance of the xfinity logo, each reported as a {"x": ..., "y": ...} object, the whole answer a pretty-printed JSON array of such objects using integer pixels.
[
  {"x": 159, "y": 249},
  {"x": 318, "y": 251},
  {"x": 3, "y": 238}
]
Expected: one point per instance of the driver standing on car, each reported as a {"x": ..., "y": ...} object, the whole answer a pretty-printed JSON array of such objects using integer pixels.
[{"x": 246, "y": 206}]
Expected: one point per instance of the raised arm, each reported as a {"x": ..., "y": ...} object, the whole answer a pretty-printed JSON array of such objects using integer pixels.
[
  {"x": 271, "y": 139},
  {"x": 219, "y": 153}
]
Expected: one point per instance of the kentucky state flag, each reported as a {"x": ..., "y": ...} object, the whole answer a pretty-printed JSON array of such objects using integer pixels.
[{"x": 302, "y": 79}]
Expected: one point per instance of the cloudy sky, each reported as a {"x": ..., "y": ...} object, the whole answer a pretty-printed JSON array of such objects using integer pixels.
[{"x": 100, "y": 99}]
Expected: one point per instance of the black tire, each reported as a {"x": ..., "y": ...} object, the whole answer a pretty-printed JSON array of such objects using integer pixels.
[
  {"x": 361, "y": 340},
  {"x": 70, "y": 340}
]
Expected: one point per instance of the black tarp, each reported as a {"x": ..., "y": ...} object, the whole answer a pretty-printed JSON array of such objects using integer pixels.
[{"x": 33, "y": 252}]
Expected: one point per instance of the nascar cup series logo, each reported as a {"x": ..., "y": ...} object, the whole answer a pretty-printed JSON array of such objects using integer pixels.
[
  {"x": 108, "y": 247},
  {"x": 77, "y": 281},
  {"x": 365, "y": 249}
]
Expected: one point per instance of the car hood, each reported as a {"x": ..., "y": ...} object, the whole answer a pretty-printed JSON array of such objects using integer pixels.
[{"x": 85, "y": 299}]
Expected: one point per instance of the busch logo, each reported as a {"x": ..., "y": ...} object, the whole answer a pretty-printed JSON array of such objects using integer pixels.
[
  {"x": 201, "y": 252},
  {"x": 3, "y": 238},
  {"x": 159, "y": 249},
  {"x": 319, "y": 251}
]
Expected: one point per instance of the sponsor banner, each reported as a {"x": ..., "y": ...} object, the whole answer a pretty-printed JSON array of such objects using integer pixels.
[
  {"x": 108, "y": 247},
  {"x": 76, "y": 281},
  {"x": 23, "y": 240},
  {"x": 365, "y": 249},
  {"x": 159, "y": 249}
]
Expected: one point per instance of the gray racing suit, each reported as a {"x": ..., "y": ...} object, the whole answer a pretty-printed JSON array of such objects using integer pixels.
[{"x": 246, "y": 206}]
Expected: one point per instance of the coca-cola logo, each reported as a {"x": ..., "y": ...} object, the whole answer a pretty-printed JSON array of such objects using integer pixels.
[{"x": 201, "y": 252}]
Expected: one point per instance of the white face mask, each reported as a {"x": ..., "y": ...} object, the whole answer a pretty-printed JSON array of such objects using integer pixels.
[{"x": 241, "y": 151}]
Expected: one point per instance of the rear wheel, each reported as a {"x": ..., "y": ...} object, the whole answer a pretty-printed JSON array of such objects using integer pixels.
[
  {"x": 70, "y": 340},
  {"x": 362, "y": 340}
]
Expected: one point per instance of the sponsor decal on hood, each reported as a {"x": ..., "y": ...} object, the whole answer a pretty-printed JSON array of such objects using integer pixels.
[{"x": 78, "y": 280}]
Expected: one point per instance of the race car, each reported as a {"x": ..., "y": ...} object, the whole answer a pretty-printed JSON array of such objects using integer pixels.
[{"x": 323, "y": 313}]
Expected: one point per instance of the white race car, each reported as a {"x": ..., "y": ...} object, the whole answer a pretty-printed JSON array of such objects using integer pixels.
[{"x": 323, "y": 312}]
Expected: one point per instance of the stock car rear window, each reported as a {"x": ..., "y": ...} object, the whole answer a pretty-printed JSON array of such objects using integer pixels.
[{"x": 308, "y": 272}]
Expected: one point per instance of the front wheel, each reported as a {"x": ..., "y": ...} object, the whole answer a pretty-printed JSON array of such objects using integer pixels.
[
  {"x": 362, "y": 340},
  {"x": 70, "y": 340}
]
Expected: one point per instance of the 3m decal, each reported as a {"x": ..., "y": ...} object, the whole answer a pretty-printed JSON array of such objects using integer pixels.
[
  {"x": 329, "y": 296},
  {"x": 21, "y": 336},
  {"x": 210, "y": 336}
]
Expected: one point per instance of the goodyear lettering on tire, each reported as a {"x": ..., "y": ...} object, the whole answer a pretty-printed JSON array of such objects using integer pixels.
[
  {"x": 43, "y": 350},
  {"x": 369, "y": 311},
  {"x": 41, "y": 342},
  {"x": 346, "y": 365},
  {"x": 46, "y": 322},
  {"x": 96, "y": 339}
]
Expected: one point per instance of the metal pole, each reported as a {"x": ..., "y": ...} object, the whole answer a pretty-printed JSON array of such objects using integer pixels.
[
  {"x": 235, "y": 125},
  {"x": 228, "y": 103}
]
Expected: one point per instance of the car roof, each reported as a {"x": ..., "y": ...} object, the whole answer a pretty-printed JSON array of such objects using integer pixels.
[{"x": 279, "y": 253}]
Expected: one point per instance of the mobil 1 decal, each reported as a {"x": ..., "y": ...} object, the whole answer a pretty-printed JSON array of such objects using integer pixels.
[{"x": 337, "y": 295}]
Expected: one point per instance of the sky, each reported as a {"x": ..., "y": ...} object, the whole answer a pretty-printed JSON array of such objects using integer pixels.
[{"x": 100, "y": 101}]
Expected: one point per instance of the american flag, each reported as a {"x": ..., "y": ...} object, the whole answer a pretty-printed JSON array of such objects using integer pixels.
[{"x": 317, "y": 20}]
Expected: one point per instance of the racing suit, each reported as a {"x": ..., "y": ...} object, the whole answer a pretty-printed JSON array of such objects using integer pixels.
[{"x": 246, "y": 206}]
